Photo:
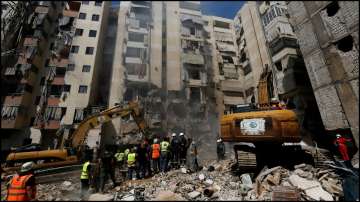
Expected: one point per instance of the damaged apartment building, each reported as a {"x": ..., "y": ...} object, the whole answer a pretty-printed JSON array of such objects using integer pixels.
[
  {"x": 56, "y": 71},
  {"x": 328, "y": 34},
  {"x": 163, "y": 60}
]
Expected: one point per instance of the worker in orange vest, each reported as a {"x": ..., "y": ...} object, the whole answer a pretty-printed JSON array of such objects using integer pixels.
[
  {"x": 155, "y": 155},
  {"x": 22, "y": 186}
]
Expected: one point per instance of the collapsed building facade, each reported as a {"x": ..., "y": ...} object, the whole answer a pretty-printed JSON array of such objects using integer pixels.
[{"x": 328, "y": 34}]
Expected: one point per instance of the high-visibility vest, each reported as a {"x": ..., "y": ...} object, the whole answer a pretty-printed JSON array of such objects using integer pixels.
[
  {"x": 17, "y": 188},
  {"x": 119, "y": 156},
  {"x": 84, "y": 173},
  {"x": 164, "y": 146},
  {"x": 131, "y": 159},
  {"x": 155, "y": 151}
]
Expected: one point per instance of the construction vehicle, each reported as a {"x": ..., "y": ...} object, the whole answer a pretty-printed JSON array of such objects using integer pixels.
[
  {"x": 260, "y": 133},
  {"x": 71, "y": 154}
]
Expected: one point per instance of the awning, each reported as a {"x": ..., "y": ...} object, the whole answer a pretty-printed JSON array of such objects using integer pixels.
[
  {"x": 193, "y": 18},
  {"x": 192, "y": 58}
]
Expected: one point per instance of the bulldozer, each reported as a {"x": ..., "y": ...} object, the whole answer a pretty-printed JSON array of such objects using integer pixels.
[
  {"x": 261, "y": 134},
  {"x": 71, "y": 154}
]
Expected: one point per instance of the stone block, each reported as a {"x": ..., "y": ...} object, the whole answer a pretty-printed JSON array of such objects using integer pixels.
[
  {"x": 330, "y": 108},
  {"x": 322, "y": 34},
  {"x": 307, "y": 39},
  {"x": 317, "y": 69},
  {"x": 297, "y": 12}
]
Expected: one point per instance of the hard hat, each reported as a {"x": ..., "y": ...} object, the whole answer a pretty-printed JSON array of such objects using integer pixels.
[
  {"x": 181, "y": 134},
  {"x": 274, "y": 99},
  {"x": 219, "y": 140},
  {"x": 174, "y": 134},
  {"x": 27, "y": 167},
  {"x": 155, "y": 140},
  {"x": 338, "y": 135}
]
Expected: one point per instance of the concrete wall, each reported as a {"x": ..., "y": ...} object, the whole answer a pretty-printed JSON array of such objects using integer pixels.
[{"x": 333, "y": 72}]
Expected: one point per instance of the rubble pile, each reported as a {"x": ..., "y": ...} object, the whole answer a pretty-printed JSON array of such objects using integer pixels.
[
  {"x": 62, "y": 191},
  {"x": 216, "y": 182}
]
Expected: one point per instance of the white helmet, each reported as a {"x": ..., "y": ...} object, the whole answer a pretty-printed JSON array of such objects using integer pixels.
[
  {"x": 27, "y": 167},
  {"x": 338, "y": 135},
  {"x": 181, "y": 134},
  {"x": 174, "y": 134},
  {"x": 219, "y": 140},
  {"x": 155, "y": 140}
]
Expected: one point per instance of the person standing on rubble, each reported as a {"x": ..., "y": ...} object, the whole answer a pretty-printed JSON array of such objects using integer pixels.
[
  {"x": 183, "y": 148},
  {"x": 141, "y": 160},
  {"x": 85, "y": 178},
  {"x": 164, "y": 145},
  {"x": 106, "y": 169},
  {"x": 155, "y": 155},
  {"x": 148, "y": 159},
  {"x": 22, "y": 186},
  {"x": 193, "y": 156},
  {"x": 131, "y": 162},
  {"x": 340, "y": 143},
  {"x": 120, "y": 158},
  {"x": 220, "y": 149},
  {"x": 175, "y": 148}
]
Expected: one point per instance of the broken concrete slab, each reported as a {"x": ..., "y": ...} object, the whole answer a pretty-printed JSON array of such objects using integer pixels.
[
  {"x": 194, "y": 194},
  {"x": 303, "y": 165},
  {"x": 318, "y": 193},
  {"x": 303, "y": 183},
  {"x": 246, "y": 180},
  {"x": 168, "y": 196},
  {"x": 101, "y": 197}
]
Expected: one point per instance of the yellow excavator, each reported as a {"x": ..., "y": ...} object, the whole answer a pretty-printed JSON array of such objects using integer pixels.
[
  {"x": 260, "y": 133},
  {"x": 71, "y": 155}
]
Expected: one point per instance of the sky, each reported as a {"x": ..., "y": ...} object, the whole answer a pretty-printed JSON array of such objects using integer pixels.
[{"x": 225, "y": 9}]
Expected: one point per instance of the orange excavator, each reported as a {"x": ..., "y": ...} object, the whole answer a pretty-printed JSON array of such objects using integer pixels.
[
  {"x": 260, "y": 133},
  {"x": 72, "y": 154}
]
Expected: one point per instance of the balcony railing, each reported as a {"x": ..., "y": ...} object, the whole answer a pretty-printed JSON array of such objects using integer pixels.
[{"x": 282, "y": 42}]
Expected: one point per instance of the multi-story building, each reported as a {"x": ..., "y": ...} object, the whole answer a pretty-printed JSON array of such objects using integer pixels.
[
  {"x": 255, "y": 58},
  {"x": 288, "y": 69},
  {"x": 163, "y": 60},
  {"x": 55, "y": 78},
  {"x": 23, "y": 67},
  {"x": 228, "y": 74},
  {"x": 328, "y": 34}
]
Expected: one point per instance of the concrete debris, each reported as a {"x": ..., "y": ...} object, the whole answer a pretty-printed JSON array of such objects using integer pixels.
[
  {"x": 101, "y": 197},
  {"x": 194, "y": 194},
  {"x": 277, "y": 183}
]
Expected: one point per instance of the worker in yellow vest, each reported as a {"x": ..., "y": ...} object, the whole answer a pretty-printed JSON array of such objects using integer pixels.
[
  {"x": 84, "y": 178},
  {"x": 131, "y": 162},
  {"x": 120, "y": 158},
  {"x": 164, "y": 153}
]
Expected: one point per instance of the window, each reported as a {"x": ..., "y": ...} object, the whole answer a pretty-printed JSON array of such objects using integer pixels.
[
  {"x": 98, "y": 3},
  {"x": 79, "y": 32},
  {"x": 85, "y": 2},
  {"x": 66, "y": 88},
  {"x": 95, "y": 17},
  {"x": 138, "y": 37},
  {"x": 247, "y": 69},
  {"x": 89, "y": 50},
  {"x": 82, "y": 16},
  {"x": 82, "y": 89},
  {"x": 74, "y": 49},
  {"x": 86, "y": 68},
  {"x": 133, "y": 52},
  {"x": 70, "y": 67},
  {"x": 92, "y": 33}
]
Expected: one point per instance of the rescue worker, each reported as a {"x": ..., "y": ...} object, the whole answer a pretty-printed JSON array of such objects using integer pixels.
[
  {"x": 175, "y": 148},
  {"x": 274, "y": 104},
  {"x": 131, "y": 162},
  {"x": 183, "y": 148},
  {"x": 22, "y": 186},
  {"x": 164, "y": 146},
  {"x": 340, "y": 143},
  {"x": 155, "y": 155},
  {"x": 106, "y": 169},
  {"x": 141, "y": 159},
  {"x": 193, "y": 155},
  {"x": 84, "y": 178},
  {"x": 148, "y": 159},
  {"x": 95, "y": 173},
  {"x": 220, "y": 149},
  {"x": 120, "y": 158}
]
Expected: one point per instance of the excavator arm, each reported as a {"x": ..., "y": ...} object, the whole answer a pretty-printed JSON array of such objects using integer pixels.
[{"x": 131, "y": 108}]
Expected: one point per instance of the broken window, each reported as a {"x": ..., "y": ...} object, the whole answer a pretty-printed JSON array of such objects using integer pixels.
[
  {"x": 247, "y": 69},
  {"x": 332, "y": 8},
  {"x": 227, "y": 59},
  {"x": 345, "y": 44},
  {"x": 194, "y": 74}
]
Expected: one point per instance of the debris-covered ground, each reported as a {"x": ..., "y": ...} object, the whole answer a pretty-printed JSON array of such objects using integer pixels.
[{"x": 214, "y": 182}]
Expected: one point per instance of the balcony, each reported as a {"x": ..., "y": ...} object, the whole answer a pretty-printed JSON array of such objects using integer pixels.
[
  {"x": 280, "y": 43},
  {"x": 13, "y": 117},
  {"x": 192, "y": 58},
  {"x": 58, "y": 80}
]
